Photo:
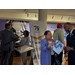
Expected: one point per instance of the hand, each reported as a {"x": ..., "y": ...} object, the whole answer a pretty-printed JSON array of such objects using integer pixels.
[
  {"x": 49, "y": 46},
  {"x": 16, "y": 34},
  {"x": 67, "y": 48},
  {"x": 20, "y": 46},
  {"x": 53, "y": 43}
]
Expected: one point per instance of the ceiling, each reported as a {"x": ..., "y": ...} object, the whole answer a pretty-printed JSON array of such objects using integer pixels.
[
  {"x": 66, "y": 12},
  {"x": 20, "y": 14},
  {"x": 12, "y": 10}
]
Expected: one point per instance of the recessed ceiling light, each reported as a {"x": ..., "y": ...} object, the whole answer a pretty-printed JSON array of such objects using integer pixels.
[
  {"x": 35, "y": 15},
  {"x": 68, "y": 18},
  {"x": 61, "y": 17},
  {"x": 27, "y": 15},
  {"x": 52, "y": 17}
]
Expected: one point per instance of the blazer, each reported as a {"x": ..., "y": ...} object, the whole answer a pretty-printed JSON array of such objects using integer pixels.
[
  {"x": 7, "y": 36},
  {"x": 71, "y": 43},
  {"x": 45, "y": 52}
]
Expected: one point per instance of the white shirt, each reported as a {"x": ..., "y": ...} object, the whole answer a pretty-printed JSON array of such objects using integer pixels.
[{"x": 52, "y": 53}]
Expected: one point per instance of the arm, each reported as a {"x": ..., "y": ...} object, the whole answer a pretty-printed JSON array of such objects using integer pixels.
[
  {"x": 14, "y": 37},
  {"x": 68, "y": 47},
  {"x": 43, "y": 46}
]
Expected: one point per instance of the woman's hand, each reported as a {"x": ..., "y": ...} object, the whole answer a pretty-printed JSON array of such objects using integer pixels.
[
  {"x": 49, "y": 46},
  {"x": 53, "y": 43}
]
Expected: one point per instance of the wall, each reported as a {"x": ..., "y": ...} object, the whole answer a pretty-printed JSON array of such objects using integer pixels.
[{"x": 2, "y": 24}]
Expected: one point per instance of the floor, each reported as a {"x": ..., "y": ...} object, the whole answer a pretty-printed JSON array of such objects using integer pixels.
[{"x": 18, "y": 61}]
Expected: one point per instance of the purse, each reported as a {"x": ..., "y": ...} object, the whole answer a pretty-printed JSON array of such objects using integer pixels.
[{"x": 56, "y": 60}]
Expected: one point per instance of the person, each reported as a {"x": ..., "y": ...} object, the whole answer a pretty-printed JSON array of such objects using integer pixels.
[
  {"x": 59, "y": 35},
  {"x": 12, "y": 29},
  {"x": 24, "y": 41},
  {"x": 12, "y": 54},
  {"x": 7, "y": 38},
  {"x": 31, "y": 59},
  {"x": 46, "y": 44},
  {"x": 52, "y": 55},
  {"x": 70, "y": 43}
]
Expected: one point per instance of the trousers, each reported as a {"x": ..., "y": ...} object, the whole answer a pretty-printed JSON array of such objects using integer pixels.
[
  {"x": 5, "y": 55},
  {"x": 24, "y": 58}
]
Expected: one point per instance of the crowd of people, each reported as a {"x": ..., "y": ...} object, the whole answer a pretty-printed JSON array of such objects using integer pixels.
[
  {"x": 48, "y": 56},
  {"x": 8, "y": 38}
]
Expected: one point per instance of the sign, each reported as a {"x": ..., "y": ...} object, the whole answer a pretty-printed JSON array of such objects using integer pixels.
[
  {"x": 23, "y": 49},
  {"x": 58, "y": 47},
  {"x": 36, "y": 32}
]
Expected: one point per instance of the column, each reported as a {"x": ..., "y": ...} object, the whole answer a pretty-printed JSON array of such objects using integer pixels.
[{"x": 42, "y": 16}]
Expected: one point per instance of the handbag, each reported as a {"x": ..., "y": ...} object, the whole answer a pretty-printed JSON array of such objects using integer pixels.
[{"x": 56, "y": 60}]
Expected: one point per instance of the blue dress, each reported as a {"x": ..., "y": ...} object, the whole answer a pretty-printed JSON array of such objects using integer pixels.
[{"x": 45, "y": 52}]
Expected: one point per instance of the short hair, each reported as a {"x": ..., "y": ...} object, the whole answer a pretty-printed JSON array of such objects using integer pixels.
[
  {"x": 7, "y": 25},
  {"x": 46, "y": 32},
  {"x": 26, "y": 33},
  {"x": 68, "y": 23}
]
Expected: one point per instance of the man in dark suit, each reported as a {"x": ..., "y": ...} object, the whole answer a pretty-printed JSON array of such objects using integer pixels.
[
  {"x": 70, "y": 43},
  {"x": 7, "y": 38},
  {"x": 12, "y": 54}
]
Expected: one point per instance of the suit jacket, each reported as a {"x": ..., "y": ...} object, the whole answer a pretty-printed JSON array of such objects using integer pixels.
[
  {"x": 71, "y": 43},
  {"x": 59, "y": 35},
  {"x": 6, "y": 36},
  {"x": 45, "y": 52}
]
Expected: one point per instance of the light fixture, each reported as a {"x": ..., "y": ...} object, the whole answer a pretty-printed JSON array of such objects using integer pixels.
[
  {"x": 52, "y": 17},
  {"x": 26, "y": 11},
  {"x": 35, "y": 15},
  {"x": 27, "y": 15},
  {"x": 62, "y": 17},
  {"x": 68, "y": 18}
]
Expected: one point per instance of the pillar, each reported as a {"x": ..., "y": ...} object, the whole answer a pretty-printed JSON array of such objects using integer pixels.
[{"x": 42, "y": 16}]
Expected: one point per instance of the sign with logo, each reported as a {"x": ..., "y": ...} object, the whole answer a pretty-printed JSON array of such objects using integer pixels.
[
  {"x": 58, "y": 47},
  {"x": 36, "y": 32}
]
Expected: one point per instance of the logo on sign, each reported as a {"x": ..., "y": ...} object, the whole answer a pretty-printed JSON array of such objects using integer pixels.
[{"x": 36, "y": 28}]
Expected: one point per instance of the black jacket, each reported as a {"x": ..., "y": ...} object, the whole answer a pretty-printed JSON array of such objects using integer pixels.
[
  {"x": 7, "y": 36},
  {"x": 71, "y": 43}
]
